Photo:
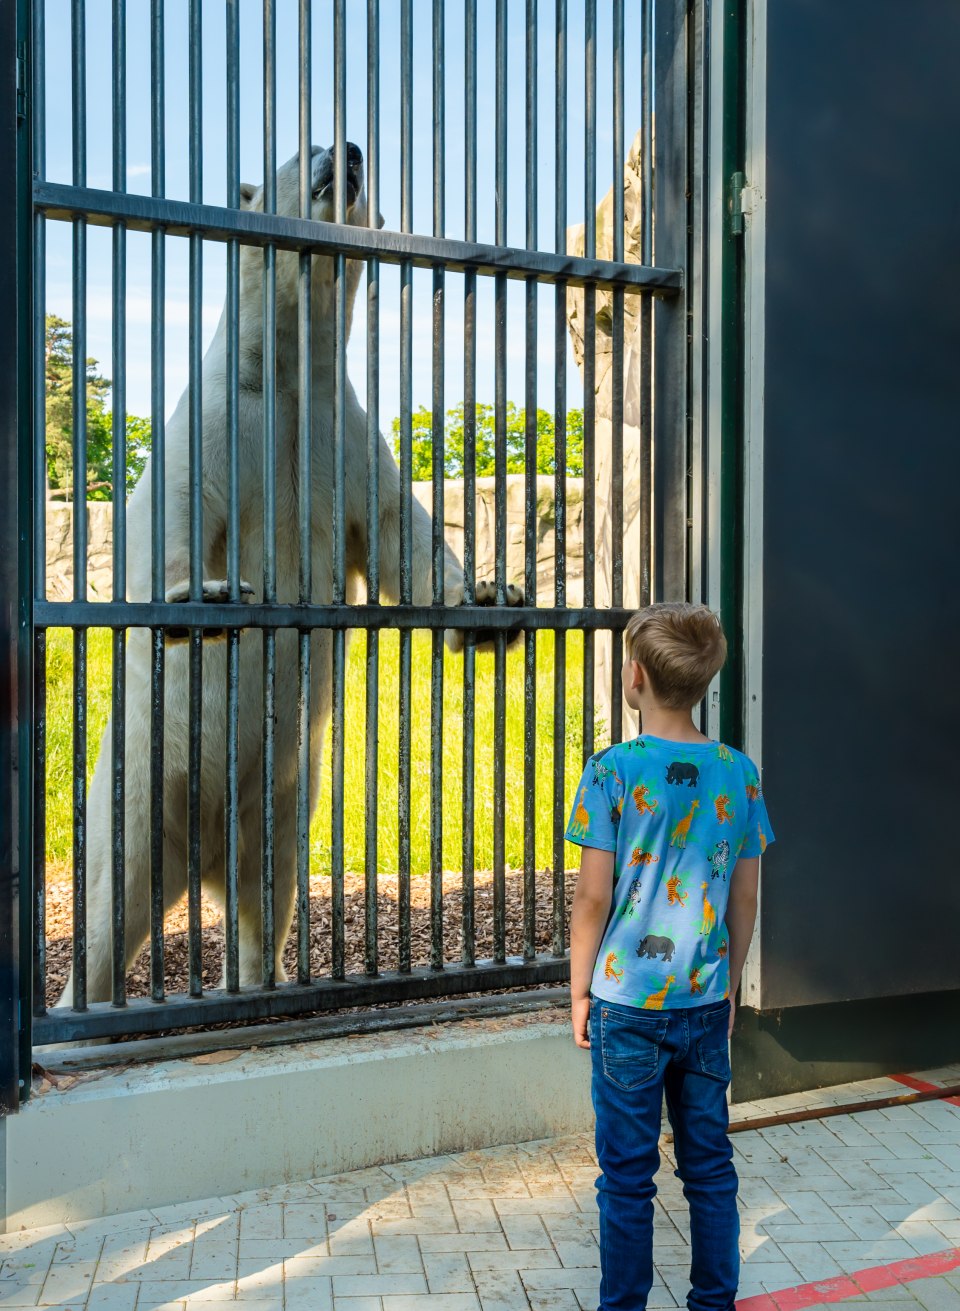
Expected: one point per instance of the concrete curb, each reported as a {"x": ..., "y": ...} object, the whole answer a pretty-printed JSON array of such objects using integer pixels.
[{"x": 185, "y": 1129}]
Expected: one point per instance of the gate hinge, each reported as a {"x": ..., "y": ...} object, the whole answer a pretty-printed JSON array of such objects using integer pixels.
[
  {"x": 21, "y": 80},
  {"x": 743, "y": 200}
]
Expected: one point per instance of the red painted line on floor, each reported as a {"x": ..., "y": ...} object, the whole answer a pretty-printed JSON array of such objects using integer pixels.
[
  {"x": 920, "y": 1085},
  {"x": 861, "y": 1281}
]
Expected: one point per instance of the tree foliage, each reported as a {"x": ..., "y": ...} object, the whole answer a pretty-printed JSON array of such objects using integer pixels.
[
  {"x": 454, "y": 441},
  {"x": 58, "y": 368}
]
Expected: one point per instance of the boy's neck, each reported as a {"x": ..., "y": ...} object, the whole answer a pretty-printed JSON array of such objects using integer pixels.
[{"x": 674, "y": 725}]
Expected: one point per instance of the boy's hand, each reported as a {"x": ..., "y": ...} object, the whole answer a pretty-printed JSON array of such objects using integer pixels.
[
  {"x": 733, "y": 1011},
  {"x": 580, "y": 1015}
]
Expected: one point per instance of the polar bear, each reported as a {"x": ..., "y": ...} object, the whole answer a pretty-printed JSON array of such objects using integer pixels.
[{"x": 177, "y": 572}]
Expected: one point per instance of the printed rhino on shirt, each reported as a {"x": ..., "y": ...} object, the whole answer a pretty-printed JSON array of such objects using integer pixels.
[
  {"x": 682, "y": 772},
  {"x": 652, "y": 947}
]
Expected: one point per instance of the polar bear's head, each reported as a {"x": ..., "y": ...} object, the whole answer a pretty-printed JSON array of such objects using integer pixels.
[
  {"x": 322, "y": 206},
  {"x": 322, "y": 188}
]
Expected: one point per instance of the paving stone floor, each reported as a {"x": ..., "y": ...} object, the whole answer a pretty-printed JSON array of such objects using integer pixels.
[{"x": 861, "y": 1207}]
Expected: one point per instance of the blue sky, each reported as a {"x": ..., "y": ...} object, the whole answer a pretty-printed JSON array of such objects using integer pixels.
[{"x": 99, "y": 167}]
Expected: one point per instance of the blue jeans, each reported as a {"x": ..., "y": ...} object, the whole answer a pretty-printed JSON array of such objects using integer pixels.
[{"x": 638, "y": 1056}]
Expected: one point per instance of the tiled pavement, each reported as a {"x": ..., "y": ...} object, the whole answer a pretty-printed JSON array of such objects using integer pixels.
[{"x": 510, "y": 1228}]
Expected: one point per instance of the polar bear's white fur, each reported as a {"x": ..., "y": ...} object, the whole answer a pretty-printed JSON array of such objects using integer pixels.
[{"x": 177, "y": 572}]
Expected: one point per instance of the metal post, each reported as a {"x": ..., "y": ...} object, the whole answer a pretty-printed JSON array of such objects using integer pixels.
[
  {"x": 339, "y": 511},
  {"x": 118, "y": 796},
  {"x": 670, "y": 314},
  {"x": 195, "y": 444},
  {"x": 560, "y": 487},
  {"x": 16, "y": 443},
  {"x": 468, "y": 924},
  {"x": 268, "y": 942},
  {"x": 530, "y": 510},
  {"x": 373, "y": 493},
  {"x": 438, "y": 471},
  {"x": 304, "y": 502},
  {"x": 79, "y": 423}
]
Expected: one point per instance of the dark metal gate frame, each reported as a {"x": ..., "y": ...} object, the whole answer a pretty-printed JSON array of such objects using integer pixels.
[{"x": 670, "y": 66}]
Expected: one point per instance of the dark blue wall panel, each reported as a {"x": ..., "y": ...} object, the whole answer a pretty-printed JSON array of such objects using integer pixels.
[{"x": 861, "y": 681}]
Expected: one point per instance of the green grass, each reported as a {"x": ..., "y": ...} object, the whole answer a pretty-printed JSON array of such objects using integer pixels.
[{"x": 99, "y": 662}]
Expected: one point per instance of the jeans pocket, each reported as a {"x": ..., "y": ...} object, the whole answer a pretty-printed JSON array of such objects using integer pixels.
[
  {"x": 713, "y": 1049},
  {"x": 630, "y": 1045}
]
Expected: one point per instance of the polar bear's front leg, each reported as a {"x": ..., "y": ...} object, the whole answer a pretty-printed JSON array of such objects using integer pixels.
[{"x": 422, "y": 556}]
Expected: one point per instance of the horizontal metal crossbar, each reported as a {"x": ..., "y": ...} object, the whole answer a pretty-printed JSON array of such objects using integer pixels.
[
  {"x": 139, "y": 614},
  {"x": 140, "y": 1015},
  {"x": 148, "y": 214}
]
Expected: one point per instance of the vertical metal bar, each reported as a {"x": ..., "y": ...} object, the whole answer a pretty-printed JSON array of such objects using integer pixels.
[
  {"x": 646, "y": 308},
  {"x": 589, "y": 364},
  {"x": 530, "y": 510},
  {"x": 16, "y": 524},
  {"x": 157, "y": 497},
  {"x": 438, "y": 473},
  {"x": 339, "y": 512},
  {"x": 39, "y": 123},
  {"x": 616, "y": 416},
  {"x": 468, "y": 919},
  {"x": 670, "y": 313},
  {"x": 119, "y": 419},
  {"x": 39, "y": 891},
  {"x": 195, "y": 474},
  {"x": 373, "y": 492},
  {"x": 39, "y": 894},
  {"x": 79, "y": 106},
  {"x": 500, "y": 496},
  {"x": 406, "y": 508},
  {"x": 304, "y": 503},
  {"x": 231, "y": 827},
  {"x": 268, "y": 942},
  {"x": 560, "y": 486}
]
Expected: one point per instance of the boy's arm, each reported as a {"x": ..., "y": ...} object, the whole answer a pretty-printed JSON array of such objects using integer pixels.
[
  {"x": 740, "y": 919},
  {"x": 588, "y": 919}
]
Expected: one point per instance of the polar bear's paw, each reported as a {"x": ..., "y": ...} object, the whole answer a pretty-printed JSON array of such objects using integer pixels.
[
  {"x": 216, "y": 591},
  {"x": 486, "y": 594}
]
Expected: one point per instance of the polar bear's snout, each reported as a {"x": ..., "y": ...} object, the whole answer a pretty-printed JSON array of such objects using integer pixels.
[{"x": 323, "y": 173}]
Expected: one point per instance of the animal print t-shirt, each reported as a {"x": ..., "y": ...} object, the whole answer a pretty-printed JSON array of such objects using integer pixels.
[{"x": 677, "y": 815}]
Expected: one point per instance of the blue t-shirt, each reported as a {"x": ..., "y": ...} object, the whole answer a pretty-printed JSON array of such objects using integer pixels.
[{"x": 677, "y": 815}]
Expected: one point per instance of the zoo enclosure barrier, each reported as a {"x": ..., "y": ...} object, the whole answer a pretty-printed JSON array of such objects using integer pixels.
[{"x": 666, "y": 50}]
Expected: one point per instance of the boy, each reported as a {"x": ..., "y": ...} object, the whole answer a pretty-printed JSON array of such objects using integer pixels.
[{"x": 672, "y": 825}]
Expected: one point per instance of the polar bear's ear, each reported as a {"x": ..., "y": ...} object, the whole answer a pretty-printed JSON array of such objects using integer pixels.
[
  {"x": 247, "y": 193},
  {"x": 380, "y": 220}
]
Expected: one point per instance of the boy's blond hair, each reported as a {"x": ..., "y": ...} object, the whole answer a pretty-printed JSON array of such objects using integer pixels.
[{"x": 681, "y": 646}]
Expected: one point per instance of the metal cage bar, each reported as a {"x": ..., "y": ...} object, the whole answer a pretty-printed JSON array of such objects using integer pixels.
[
  {"x": 268, "y": 946},
  {"x": 406, "y": 477},
  {"x": 438, "y": 472},
  {"x": 157, "y": 495},
  {"x": 371, "y": 757},
  {"x": 560, "y": 485},
  {"x": 530, "y": 508},
  {"x": 304, "y": 497},
  {"x": 196, "y": 566},
  {"x": 79, "y": 479},
  {"x": 468, "y": 853},
  {"x": 119, "y": 473},
  {"x": 500, "y": 494}
]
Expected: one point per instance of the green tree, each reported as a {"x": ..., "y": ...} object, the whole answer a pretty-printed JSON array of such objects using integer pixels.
[
  {"x": 59, "y": 415},
  {"x": 454, "y": 441}
]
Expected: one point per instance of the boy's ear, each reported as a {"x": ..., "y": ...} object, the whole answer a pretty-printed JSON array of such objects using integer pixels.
[{"x": 637, "y": 674}]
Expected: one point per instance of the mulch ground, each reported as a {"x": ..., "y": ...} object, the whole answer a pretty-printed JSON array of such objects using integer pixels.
[{"x": 59, "y": 909}]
